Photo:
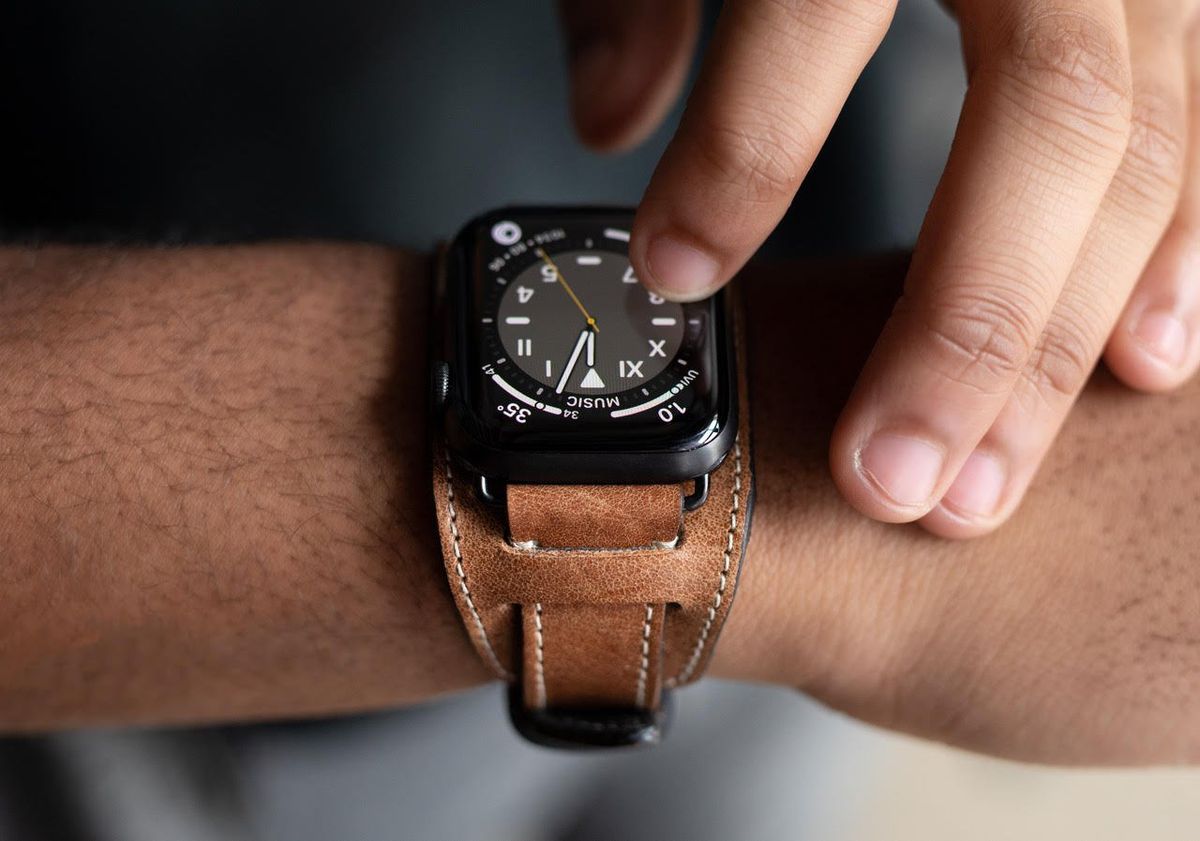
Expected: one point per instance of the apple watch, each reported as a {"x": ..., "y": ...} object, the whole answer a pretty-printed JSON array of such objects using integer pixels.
[{"x": 591, "y": 468}]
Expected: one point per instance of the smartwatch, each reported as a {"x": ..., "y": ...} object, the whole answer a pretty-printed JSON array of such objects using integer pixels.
[{"x": 591, "y": 469}]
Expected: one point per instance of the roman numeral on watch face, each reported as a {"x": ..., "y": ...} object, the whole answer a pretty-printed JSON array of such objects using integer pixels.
[{"x": 631, "y": 369}]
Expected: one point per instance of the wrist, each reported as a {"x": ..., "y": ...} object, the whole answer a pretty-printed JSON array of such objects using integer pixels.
[
  {"x": 1065, "y": 637},
  {"x": 814, "y": 610}
]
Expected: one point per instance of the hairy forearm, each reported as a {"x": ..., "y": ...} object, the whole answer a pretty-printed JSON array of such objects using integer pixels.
[
  {"x": 215, "y": 488},
  {"x": 216, "y": 505}
]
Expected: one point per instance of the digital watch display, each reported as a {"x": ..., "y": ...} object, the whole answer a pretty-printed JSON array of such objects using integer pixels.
[{"x": 565, "y": 368}]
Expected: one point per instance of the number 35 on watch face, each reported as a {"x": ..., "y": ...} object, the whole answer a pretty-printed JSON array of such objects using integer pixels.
[{"x": 566, "y": 366}]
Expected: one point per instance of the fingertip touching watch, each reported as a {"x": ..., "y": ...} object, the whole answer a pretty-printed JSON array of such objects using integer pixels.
[{"x": 591, "y": 471}]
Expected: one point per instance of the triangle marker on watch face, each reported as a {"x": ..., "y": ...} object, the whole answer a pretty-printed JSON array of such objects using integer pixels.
[{"x": 592, "y": 380}]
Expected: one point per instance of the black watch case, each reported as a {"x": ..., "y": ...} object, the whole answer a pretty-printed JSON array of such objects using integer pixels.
[{"x": 558, "y": 367}]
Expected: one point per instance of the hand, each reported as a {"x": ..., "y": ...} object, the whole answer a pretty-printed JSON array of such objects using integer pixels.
[
  {"x": 1072, "y": 636},
  {"x": 1066, "y": 224}
]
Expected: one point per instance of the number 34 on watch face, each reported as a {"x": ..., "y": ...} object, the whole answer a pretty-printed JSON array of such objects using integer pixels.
[{"x": 564, "y": 368}]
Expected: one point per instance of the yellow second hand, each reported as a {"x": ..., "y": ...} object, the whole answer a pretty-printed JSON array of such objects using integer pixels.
[{"x": 562, "y": 280}]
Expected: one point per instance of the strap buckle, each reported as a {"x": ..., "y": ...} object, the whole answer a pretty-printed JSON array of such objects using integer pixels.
[{"x": 583, "y": 729}]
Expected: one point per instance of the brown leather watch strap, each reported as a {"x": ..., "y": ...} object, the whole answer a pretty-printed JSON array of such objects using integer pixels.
[
  {"x": 687, "y": 587},
  {"x": 597, "y": 597},
  {"x": 591, "y": 516},
  {"x": 593, "y": 656}
]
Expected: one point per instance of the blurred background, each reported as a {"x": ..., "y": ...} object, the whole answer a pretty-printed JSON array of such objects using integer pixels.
[{"x": 215, "y": 120}]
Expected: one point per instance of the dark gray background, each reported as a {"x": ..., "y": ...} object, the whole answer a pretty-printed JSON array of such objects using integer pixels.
[{"x": 234, "y": 119}]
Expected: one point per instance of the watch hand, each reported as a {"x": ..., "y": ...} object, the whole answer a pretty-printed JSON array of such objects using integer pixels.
[
  {"x": 563, "y": 281},
  {"x": 591, "y": 350},
  {"x": 566, "y": 374}
]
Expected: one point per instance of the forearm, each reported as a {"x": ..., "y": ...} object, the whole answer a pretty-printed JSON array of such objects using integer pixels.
[
  {"x": 217, "y": 506},
  {"x": 216, "y": 494}
]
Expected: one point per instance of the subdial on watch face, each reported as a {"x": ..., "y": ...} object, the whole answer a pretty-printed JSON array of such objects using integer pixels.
[{"x": 578, "y": 322}]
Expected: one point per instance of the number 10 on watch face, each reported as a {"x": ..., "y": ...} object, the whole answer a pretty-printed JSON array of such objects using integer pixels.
[{"x": 570, "y": 348}]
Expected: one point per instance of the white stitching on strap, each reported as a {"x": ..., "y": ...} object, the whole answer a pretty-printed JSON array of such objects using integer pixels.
[
  {"x": 644, "y": 668},
  {"x": 494, "y": 661},
  {"x": 727, "y": 559},
  {"x": 540, "y": 661}
]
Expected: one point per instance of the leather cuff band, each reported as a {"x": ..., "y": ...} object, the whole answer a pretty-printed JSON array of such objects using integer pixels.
[{"x": 592, "y": 600}]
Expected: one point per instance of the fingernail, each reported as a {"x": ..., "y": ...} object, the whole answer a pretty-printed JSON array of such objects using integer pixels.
[
  {"x": 905, "y": 469},
  {"x": 679, "y": 270},
  {"x": 1162, "y": 335},
  {"x": 978, "y": 487}
]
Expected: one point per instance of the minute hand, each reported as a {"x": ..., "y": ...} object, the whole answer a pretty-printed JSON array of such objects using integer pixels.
[
  {"x": 567, "y": 287},
  {"x": 566, "y": 374}
]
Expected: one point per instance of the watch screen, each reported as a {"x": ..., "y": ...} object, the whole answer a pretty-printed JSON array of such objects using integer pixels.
[
  {"x": 566, "y": 350},
  {"x": 619, "y": 337}
]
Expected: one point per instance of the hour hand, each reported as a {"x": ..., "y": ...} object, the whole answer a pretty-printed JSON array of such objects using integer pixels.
[{"x": 570, "y": 366}]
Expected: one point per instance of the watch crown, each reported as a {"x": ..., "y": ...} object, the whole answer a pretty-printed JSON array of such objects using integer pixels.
[{"x": 439, "y": 385}]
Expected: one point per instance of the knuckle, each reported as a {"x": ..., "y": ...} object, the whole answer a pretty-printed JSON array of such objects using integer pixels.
[
  {"x": 1062, "y": 362},
  {"x": 1156, "y": 156},
  {"x": 982, "y": 336},
  {"x": 753, "y": 161},
  {"x": 1079, "y": 66}
]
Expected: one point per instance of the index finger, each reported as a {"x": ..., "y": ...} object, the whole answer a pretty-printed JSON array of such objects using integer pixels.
[{"x": 773, "y": 82}]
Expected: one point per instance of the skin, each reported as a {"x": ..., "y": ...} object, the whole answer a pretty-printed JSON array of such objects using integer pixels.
[
  {"x": 217, "y": 506},
  {"x": 1066, "y": 225}
]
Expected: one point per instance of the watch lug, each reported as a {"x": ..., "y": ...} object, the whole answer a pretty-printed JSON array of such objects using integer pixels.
[
  {"x": 698, "y": 495},
  {"x": 490, "y": 491}
]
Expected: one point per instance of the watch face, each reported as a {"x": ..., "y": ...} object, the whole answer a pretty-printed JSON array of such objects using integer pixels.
[{"x": 565, "y": 361}]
